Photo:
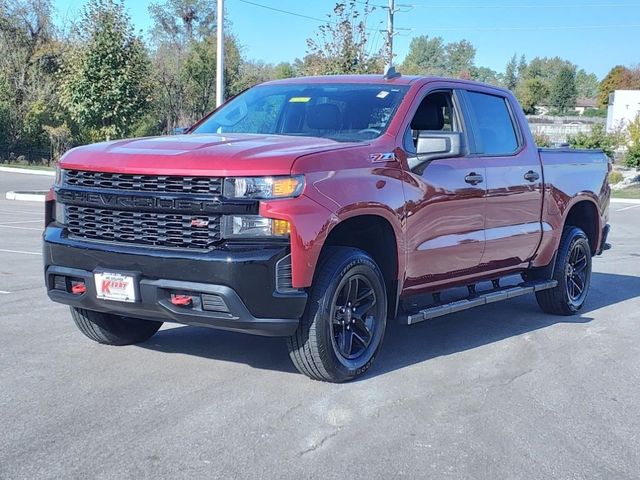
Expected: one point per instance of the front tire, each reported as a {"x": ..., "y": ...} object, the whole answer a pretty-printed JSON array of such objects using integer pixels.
[
  {"x": 110, "y": 329},
  {"x": 573, "y": 274},
  {"x": 344, "y": 322}
]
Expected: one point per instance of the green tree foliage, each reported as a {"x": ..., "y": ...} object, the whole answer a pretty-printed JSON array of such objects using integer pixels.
[
  {"x": 598, "y": 138},
  {"x": 511, "y": 73},
  {"x": 460, "y": 58},
  {"x": 342, "y": 45},
  {"x": 564, "y": 92},
  {"x": 619, "y": 78},
  {"x": 427, "y": 56},
  {"x": 586, "y": 84},
  {"x": 284, "y": 70},
  {"x": 184, "y": 60},
  {"x": 531, "y": 93},
  {"x": 432, "y": 56},
  {"x": 106, "y": 81},
  {"x": 486, "y": 75},
  {"x": 29, "y": 59}
]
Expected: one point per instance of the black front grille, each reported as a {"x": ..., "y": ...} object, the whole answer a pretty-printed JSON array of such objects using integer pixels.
[
  {"x": 144, "y": 183},
  {"x": 143, "y": 228}
]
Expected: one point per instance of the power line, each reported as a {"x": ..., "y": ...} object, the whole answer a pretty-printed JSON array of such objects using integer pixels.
[
  {"x": 558, "y": 6},
  {"x": 267, "y": 7},
  {"x": 295, "y": 14},
  {"x": 534, "y": 28}
]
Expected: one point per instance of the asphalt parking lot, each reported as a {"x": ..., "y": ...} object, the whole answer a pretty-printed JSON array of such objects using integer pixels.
[{"x": 500, "y": 392}]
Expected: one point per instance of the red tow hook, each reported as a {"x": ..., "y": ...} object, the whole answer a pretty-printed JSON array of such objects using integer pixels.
[
  {"x": 78, "y": 288},
  {"x": 181, "y": 300}
]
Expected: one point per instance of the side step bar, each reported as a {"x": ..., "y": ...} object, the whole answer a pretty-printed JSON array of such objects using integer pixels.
[{"x": 480, "y": 299}]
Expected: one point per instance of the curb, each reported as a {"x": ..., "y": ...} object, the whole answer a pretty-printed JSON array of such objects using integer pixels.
[
  {"x": 27, "y": 196},
  {"x": 28, "y": 171},
  {"x": 626, "y": 200}
]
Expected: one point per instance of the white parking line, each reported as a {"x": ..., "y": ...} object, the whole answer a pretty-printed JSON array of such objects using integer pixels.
[
  {"x": 22, "y": 214},
  {"x": 4, "y": 292},
  {"x": 20, "y": 228},
  {"x": 19, "y": 251},
  {"x": 21, "y": 221},
  {"x": 627, "y": 208}
]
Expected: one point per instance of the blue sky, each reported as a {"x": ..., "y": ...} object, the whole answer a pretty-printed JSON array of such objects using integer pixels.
[{"x": 595, "y": 34}]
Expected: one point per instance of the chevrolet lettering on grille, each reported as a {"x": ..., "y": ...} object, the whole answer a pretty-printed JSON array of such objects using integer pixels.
[{"x": 106, "y": 200}]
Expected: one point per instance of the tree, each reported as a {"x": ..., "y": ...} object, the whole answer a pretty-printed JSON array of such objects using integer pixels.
[
  {"x": 284, "y": 70},
  {"x": 531, "y": 93},
  {"x": 619, "y": 78},
  {"x": 460, "y": 58},
  {"x": 522, "y": 66},
  {"x": 184, "y": 60},
  {"x": 342, "y": 44},
  {"x": 564, "y": 93},
  {"x": 29, "y": 61},
  {"x": 511, "y": 73},
  {"x": 486, "y": 75},
  {"x": 427, "y": 56},
  {"x": 586, "y": 84},
  {"x": 106, "y": 79}
]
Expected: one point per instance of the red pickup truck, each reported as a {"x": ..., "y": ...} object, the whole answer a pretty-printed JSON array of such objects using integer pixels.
[{"x": 316, "y": 209}]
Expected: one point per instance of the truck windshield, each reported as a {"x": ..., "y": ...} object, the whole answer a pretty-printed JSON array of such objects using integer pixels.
[{"x": 341, "y": 112}]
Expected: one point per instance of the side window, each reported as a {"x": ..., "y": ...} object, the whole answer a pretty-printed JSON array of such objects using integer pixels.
[
  {"x": 494, "y": 129},
  {"x": 435, "y": 114}
]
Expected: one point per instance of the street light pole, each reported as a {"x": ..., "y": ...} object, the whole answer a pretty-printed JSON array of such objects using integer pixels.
[{"x": 220, "y": 55}]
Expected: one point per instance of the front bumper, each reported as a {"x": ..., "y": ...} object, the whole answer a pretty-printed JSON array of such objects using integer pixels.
[{"x": 243, "y": 277}]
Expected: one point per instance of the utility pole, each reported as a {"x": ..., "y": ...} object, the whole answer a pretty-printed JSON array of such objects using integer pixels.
[
  {"x": 220, "y": 55},
  {"x": 391, "y": 10}
]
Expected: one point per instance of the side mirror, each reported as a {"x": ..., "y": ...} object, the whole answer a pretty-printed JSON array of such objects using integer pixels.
[
  {"x": 179, "y": 130},
  {"x": 434, "y": 145},
  {"x": 439, "y": 145}
]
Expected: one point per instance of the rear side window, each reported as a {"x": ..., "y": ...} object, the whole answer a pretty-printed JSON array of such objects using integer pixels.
[{"x": 494, "y": 131}]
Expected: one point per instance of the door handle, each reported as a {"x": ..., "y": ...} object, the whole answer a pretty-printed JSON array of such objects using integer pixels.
[
  {"x": 473, "y": 178},
  {"x": 531, "y": 176}
]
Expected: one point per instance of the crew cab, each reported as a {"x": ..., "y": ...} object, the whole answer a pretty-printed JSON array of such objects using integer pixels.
[{"x": 319, "y": 209}]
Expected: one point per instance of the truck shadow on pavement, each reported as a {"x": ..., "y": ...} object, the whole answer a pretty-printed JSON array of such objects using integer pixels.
[{"x": 403, "y": 345}]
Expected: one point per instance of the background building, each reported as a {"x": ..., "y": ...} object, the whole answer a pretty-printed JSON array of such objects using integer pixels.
[{"x": 624, "y": 107}]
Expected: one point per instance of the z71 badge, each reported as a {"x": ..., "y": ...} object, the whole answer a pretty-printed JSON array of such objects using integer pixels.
[{"x": 382, "y": 157}]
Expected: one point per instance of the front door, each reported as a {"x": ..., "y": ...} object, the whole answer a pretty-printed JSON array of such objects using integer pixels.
[{"x": 445, "y": 202}]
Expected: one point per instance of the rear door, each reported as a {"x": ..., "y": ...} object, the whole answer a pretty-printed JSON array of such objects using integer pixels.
[{"x": 513, "y": 180}]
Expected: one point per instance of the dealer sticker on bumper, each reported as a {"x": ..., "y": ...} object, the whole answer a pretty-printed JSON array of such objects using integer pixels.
[{"x": 115, "y": 286}]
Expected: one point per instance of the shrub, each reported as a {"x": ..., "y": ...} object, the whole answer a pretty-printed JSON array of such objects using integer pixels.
[
  {"x": 542, "y": 140},
  {"x": 598, "y": 138},
  {"x": 632, "y": 157},
  {"x": 595, "y": 112},
  {"x": 615, "y": 177}
]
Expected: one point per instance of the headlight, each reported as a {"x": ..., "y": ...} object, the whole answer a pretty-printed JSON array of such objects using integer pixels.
[
  {"x": 254, "y": 226},
  {"x": 60, "y": 214},
  {"x": 58, "y": 180},
  {"x": 263, "y": 188}
]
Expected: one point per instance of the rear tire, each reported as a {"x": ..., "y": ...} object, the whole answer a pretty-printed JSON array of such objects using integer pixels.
[
  {"x": 343, "y": 325},
  {"x": 110, "y": 329},
  {"x": 573, "y": 274}
]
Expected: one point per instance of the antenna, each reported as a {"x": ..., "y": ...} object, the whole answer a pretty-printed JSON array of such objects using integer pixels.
[{"x": 390, "y": 73}]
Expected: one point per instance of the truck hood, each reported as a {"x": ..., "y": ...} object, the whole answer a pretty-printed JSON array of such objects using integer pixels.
[{"x": 199, "y": 155}]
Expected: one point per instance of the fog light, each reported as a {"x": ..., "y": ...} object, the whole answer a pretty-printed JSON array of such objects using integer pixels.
[{"x": 280, "y": 227}]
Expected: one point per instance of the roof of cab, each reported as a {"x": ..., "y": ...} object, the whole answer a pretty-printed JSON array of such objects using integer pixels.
[
  {"x": 401, "y": 80},
  {"x": 376, "y": 79}
]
